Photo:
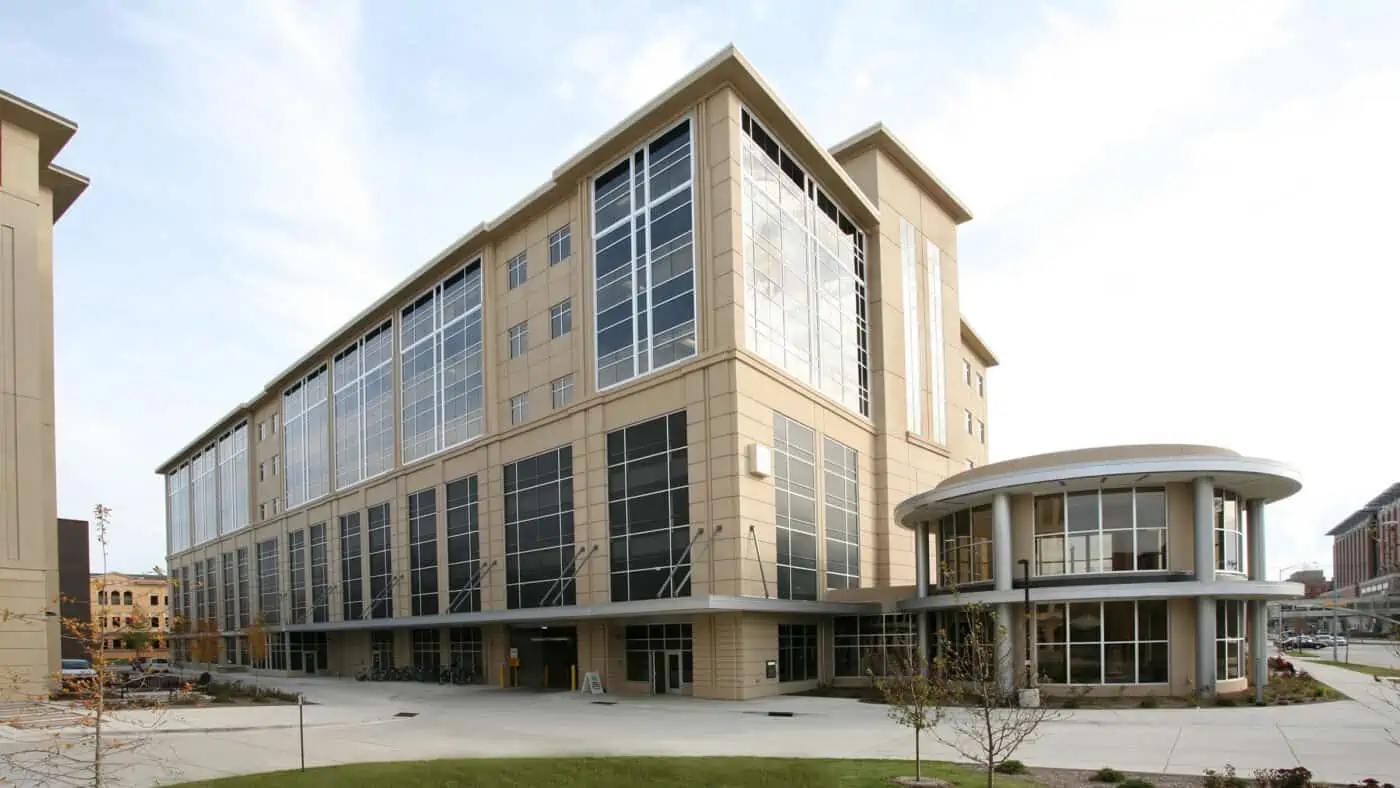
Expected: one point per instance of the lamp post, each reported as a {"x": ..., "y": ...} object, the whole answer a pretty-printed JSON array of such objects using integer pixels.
[{"x": 1026, "y": 585}]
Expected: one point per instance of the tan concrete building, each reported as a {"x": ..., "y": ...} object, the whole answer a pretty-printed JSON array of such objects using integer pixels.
[
  {"x": 123, "y": 604},
  {"x": 34, "y": 194}
]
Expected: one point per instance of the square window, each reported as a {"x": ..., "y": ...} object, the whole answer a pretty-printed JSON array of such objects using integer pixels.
[
  {"x": 276, "y": 417},
  {"x": 515, "y": 271},
  {"x": 519, "y": 408},
  {"x": 967, "y": 372},
  {"x": 561, "y": 391},
  {"x": 274, "y": 464},
  {"x": 561, "y": 318},
  {"x": 981, "y": 431},
  {"x": 981, "y": 385},
  {"x": 518, "y": 337},
  {"x": 560, "y": 245},
  {"x": 967, "y": 421}
]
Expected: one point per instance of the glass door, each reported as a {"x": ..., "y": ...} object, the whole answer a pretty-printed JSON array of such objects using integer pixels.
[{"x": 673, "y": 672}]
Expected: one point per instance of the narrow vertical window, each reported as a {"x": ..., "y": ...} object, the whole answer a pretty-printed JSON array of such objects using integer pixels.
[
  {"x": 539, "y": 530},
  {"x": 795, "y": 491},
  {"x": 422, "y": 548}
]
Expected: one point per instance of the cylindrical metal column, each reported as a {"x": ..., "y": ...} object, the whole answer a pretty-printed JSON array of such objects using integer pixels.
[
  {"x": 921, "y": 582},
  {"x": 1204, "y": 492},
  {"x": 1002, "y": 570},
  {"x": 1258, "y": 609},
  {"x": 1005, "y": 667},
  {"x": 1205, "y": 646}
]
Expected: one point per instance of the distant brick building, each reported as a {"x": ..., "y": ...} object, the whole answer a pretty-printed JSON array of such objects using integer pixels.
[{"x": 1315, "y": 583}]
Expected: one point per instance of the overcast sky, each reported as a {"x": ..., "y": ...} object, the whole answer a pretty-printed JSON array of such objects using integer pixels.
[{"x": 1180, "y": 206}]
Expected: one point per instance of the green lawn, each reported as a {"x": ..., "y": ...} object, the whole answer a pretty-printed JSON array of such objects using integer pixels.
[
  {"x": 613, "y": 773},
  {"x": 1370, "y": 670}
]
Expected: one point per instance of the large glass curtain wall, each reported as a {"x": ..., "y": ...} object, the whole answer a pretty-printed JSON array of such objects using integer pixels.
[
  {"x": 296, "y": 576},
  {"x": 442, "y": 385},
  {"x": 540, "y": 530},
  {"x": 306, "y": 452},
  {"x": 1113, "y": 530},
  {"x": 463, "y": 547},
  {"x": 644, "y": 259},
  {"x": 233, "y": 479},
  {"x": 1102, "y": 642},
  {"x": 364, "y": 407},
  {"x": 245, "y": 608},
  {"x": 795, "y": 500},
  {"x": 804, "y": 278},
  {"x": 204, "y": 488},
  {"x": 1230, "y": 530},
  {"x": 177, "y": 487},
  {"x": 798, "y": 651},
  {"x": 965, "y": 547},
  {"x": 649, "y": 509}
]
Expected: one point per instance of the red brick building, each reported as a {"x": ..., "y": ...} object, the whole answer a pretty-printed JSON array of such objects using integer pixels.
[{"x": 1366, "y": 547}]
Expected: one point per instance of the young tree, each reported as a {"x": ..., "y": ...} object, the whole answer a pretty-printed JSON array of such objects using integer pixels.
[
  {"x": 82, "y": 752},
  {"x": 968, "y": 674},
  {"x": 257, "y": 644},
  {"x": 914, "y": 697},
  {"x": 137, "y": 635}
]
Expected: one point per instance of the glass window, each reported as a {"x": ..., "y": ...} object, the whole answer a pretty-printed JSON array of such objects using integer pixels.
[
  {"x": 561, "y": 391},
  {"x": 245, "y": 608},
  {"x": 561, "y": 318},
  {"x": 178, "y": 493},
  {"x": 296, "y": 576},
  {"x": 441, "y": 378},
  {"x": 539, "y": 529},
  {"x": 226, "y": 567},
  {"x": 797, "y": 652},
  {"x": 795, "y": 491},
  {"x": 1092, "y": 643},
  {"x": 516, "y": 271},
  {"x": 841, "y": 514},
  {"x": 269, "y": 583},
  {"x": 381, "y": 644},
  {"x": 519, "y": 408},
  {"x": 804, "y": 277},
  {"x": 560, "y": 245},
  {"x": 422, "y": 551},
  {"x": 967, "y": 372},
  {"x": 1229, "y": 533},
  {"x": 967, "y": 421},
  {"x": 463, "y": 547},
  {"x": 381, "y": 565},
  {"x": 518, "y": 339},
  {"x": 981, "y": 385},
  {"x": 1231, "y": 652},
  {"x": 644, "y": 260},
  {"x": 351, "y": 577},
  {"x": 913, "y": 328},
  {"x": 427, "y": 651},
  {"x": 320, "y": 575},
  {"x": 649, "y": 509},
  {"x": 872, "y": 644},
  {"x": 204, "y": 489},
  {"x": 466, "y": 651},
  {"x": 1113, "y": 530},
  {"x": 965, "y": 554},
  {"x": 306, "y": 440}
]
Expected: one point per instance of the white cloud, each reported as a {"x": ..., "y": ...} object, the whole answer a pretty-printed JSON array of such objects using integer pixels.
[
  {"x": 274, "y": 91},
  {"x": 1249, "y": 302}
]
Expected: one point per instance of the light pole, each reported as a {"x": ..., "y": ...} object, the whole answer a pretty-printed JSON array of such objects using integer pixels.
[{"x": 1026, "y": 584}]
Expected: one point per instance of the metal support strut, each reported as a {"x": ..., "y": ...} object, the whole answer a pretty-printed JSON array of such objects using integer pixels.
[
  {"x": 561, "y": 586},
  {"x": 753, "y": 535},
  {"x": 473, "y": 584},
  {"x": 690, "y": 565},
  {"x": 381, "y": 596}
]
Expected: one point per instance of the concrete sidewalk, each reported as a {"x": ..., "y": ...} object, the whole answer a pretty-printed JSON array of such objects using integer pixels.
[{"x": 1340, "y": 742}]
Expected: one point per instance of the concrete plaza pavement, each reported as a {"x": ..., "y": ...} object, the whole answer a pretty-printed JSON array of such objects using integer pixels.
[{"x": 355, "y": 722}]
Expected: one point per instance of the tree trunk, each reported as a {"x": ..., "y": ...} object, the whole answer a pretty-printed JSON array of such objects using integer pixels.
[{"x": 918, "y": 765}]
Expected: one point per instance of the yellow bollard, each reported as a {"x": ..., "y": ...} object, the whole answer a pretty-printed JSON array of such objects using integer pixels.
[
  {"x": 503, "y": 677},
  {"x": 573, "y": 678}
]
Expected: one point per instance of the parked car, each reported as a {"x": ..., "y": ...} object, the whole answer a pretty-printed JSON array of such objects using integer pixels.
[
  {"x": 158, "y": 665},
  {"x": 76, "y": 671}
]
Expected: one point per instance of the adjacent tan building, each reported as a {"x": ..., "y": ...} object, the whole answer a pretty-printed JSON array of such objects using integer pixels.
[
  {"x": 124, "y": 604},
  {"x": 34, "y": 194}
]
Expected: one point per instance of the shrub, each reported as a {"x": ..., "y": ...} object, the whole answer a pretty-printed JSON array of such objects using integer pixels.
[
  {"x": 1108, "y": 775},
  {"x": 1011, "y": 766},
  {"x": 261, "y": 699},
  {"x": 1225, "y": 779},
  {"x": 1295, "y": 777},
  {"x": 1149, "y": 702},
  {"x": 1136, "y": 782},
  {"x": 1225, "y": 701}
]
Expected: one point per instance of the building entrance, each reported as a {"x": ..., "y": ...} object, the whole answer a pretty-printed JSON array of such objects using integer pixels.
[
  {"x": 666, "y": 675},
  {"x": 545, "y": 657}
]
